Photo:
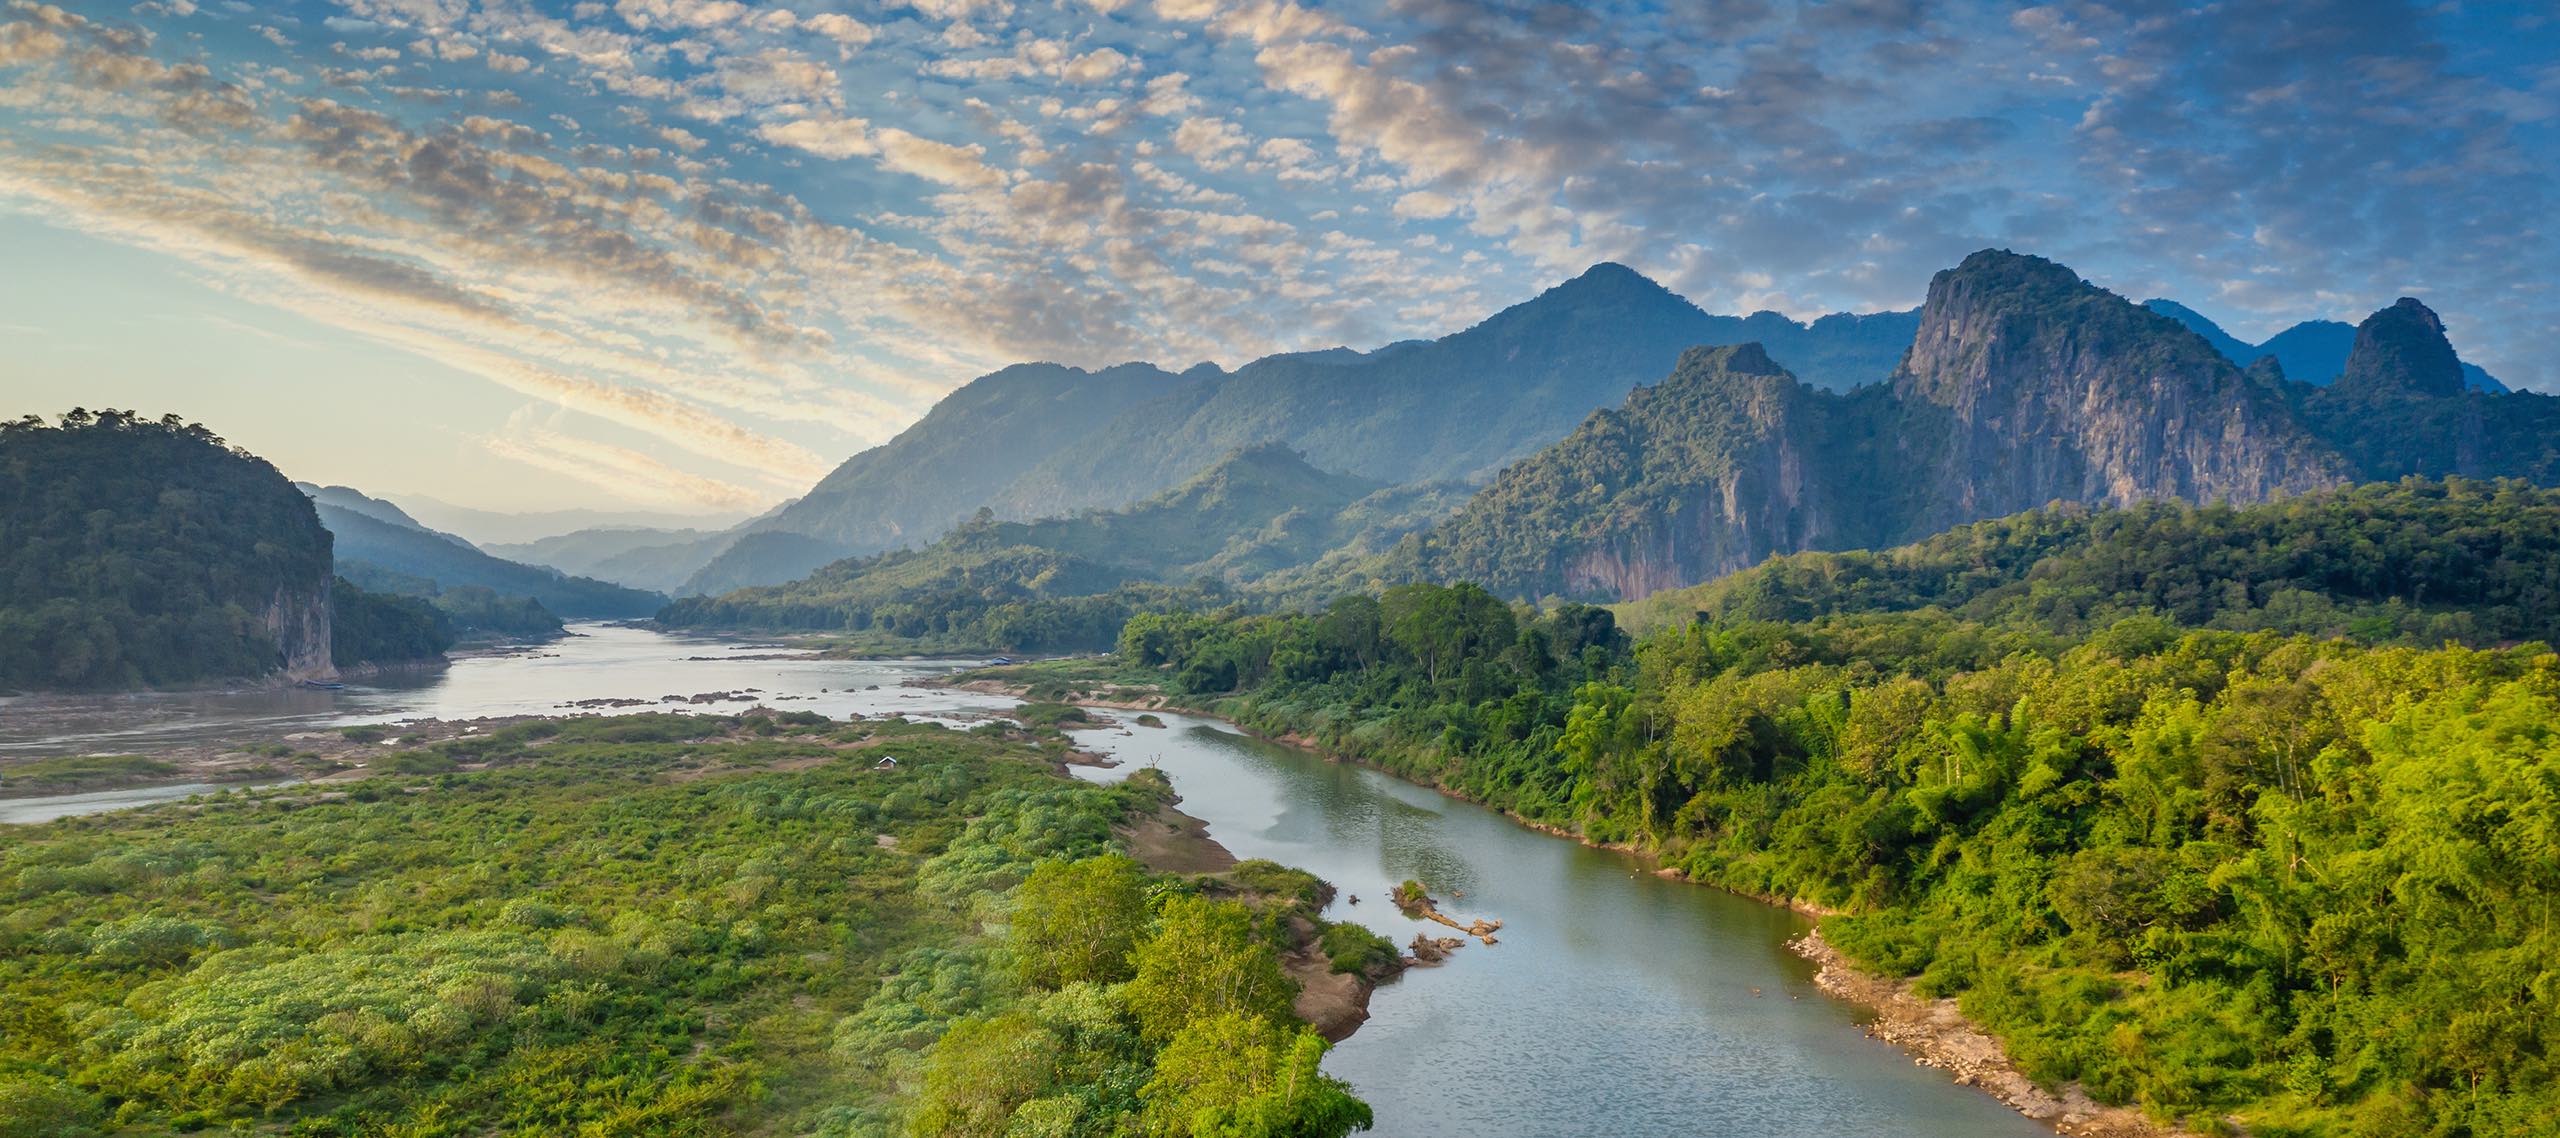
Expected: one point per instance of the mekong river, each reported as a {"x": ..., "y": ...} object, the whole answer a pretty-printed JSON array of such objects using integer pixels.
[{"x": 1616, "y": 1003}]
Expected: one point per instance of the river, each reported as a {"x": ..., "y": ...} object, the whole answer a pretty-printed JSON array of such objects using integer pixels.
[{"x": 1615, "y": 1003}]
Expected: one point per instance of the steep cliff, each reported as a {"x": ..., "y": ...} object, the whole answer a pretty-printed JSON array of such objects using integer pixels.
[
  {"x": 146, "y": 552},
  {"x": 2026, "y": 384}
]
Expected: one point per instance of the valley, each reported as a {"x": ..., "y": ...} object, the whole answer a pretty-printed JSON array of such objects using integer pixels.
[{"x": 2086, "y": 710}]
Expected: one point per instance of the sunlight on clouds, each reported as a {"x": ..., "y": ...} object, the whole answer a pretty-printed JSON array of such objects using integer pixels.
[
  {"x": 739, "y": 223},
  {"x": 626, "y": 474}
]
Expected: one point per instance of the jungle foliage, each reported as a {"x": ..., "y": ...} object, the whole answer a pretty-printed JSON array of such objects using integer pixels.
[{"x": 2303, "y": 882}]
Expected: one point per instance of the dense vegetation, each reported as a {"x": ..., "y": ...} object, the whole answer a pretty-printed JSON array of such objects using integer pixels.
[
  {"x": 2300, "y": 881},
  {"x": 1069, "y": 583},
  {"x": 474, "y": 611},
  {"x": 652, "y": 925},
  {"x": 2417, "y": 562},
  {"x": 382, "y": 628},
  {"x": 136, "y": 551}
]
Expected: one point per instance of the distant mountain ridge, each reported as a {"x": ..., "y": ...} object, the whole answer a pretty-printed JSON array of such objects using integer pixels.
[
  {"x": 1037, "y": 440},
  {"x": 2313, "y": 351},
  {"x": 1254, "y": 515},
  {"x": 2023, "y": 385},
  {"x": 381, "y": 547}
]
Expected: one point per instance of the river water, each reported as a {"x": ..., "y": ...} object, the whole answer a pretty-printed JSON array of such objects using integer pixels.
[{"x": 1616, "y": 1003}]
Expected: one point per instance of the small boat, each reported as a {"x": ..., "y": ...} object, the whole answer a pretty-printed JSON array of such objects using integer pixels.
[{"x": 323, "y": 685}]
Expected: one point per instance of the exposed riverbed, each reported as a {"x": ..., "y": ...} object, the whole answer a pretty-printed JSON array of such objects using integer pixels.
[{"x": 1614, "y": 1003}]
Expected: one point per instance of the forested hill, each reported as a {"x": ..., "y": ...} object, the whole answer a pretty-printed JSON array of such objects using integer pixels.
[
  {"x": 1038, "y": 440},
  {"x": 2024, "y": 385},
  {"x": 140, "y": 552},
  {"x": 934, "y": 474},
  {"x": 380, "y": 553},
  {"x": 1262, "y": 514},
  {"x": 2417, "y": 562}
]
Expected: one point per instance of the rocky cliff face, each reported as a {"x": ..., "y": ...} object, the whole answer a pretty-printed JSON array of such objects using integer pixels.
[
  {"x": 2024, "y": 385},
  {"x": 2027, "y": 385},
  {"x": 298, "y": 621},
  {"x": 1708, "y": 472}
]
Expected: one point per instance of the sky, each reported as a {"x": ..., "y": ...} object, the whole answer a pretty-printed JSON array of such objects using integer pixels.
[{"x": 690, "y": 254}]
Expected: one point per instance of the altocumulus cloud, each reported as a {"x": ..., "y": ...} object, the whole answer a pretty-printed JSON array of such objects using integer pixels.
[{"x": 723, "y": 223}]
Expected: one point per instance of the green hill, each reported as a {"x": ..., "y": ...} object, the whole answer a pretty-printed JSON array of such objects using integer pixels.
[
  {"x": 1070, "y": 581},
  {"x": 138, "y": 552},
  {"x": 2417, "y": 561}
]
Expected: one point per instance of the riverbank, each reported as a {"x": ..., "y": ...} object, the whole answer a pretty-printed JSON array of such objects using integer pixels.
[
  {"x": 1171, "y": 842},
  {"x": 1934, "y": 1032}
]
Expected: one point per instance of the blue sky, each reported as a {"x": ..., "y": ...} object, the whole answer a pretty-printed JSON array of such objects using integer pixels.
[{"x": 690, "y": 254}]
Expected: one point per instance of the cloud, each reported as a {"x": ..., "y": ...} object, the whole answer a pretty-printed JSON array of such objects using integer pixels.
[
  {"x": 935, "y": 161},
  {"x": 625, "y": 474},
  {"x": 1424, "y": 205},
  {"x": 837, "y": 138}
]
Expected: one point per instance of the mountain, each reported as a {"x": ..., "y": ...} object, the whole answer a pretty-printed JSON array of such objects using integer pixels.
[
  {"x": 2314, "y": 351},
  {"x": 957, "y": 458},
  {"x": 2023, "y": 385},
  {"x": 485, "y": 528},
  {"x": 1255, "y": 514},
  {"x": 346, "y": 498},
  {"x": 386, "y": 555},
  {"x": 1038, "y": 440},
  {"x": 1453, "y": 409},
  {"x": 2401, "y": 408},
  {"x": 642, "y": 557},
  {"x": 139, "y": 552},
  {"x": 1728, "y": 460}
]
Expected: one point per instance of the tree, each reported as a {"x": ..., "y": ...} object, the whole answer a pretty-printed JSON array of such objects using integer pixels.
[
  {"x": 981, "y": 1072},
  {"x": 1204, "y": 961},
  {"x": 1235, "y": 1076},
  {"x": 1078, "y": 921}
]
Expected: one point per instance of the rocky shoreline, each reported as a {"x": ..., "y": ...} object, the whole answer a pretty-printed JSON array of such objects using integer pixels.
[{"x": 1936, "y": 1034}]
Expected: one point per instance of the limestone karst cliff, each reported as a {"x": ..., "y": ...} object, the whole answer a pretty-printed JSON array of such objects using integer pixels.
[{"x": 2023, "y": 385}]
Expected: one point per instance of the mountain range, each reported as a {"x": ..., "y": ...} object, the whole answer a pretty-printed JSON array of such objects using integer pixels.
[
  {"x": 1040, "y": 439},
  {"x": 2023, "y": 385},
  {"x": 2018, "y": 384},
  {"x": 1036, "y": 440},
  {"x": 381, "y": 547},
  {"x": 2313, "y": 351},
  {"x": 1262, "y": 515}
]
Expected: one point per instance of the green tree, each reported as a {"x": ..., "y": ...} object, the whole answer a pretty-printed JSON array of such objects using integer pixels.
[
  {"x": 1204, "y": 961},
  {"x": 1078, "y": 921},
  {"x": 980, "y": 1073},
  {"x": 1232, "y": 1075}
]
